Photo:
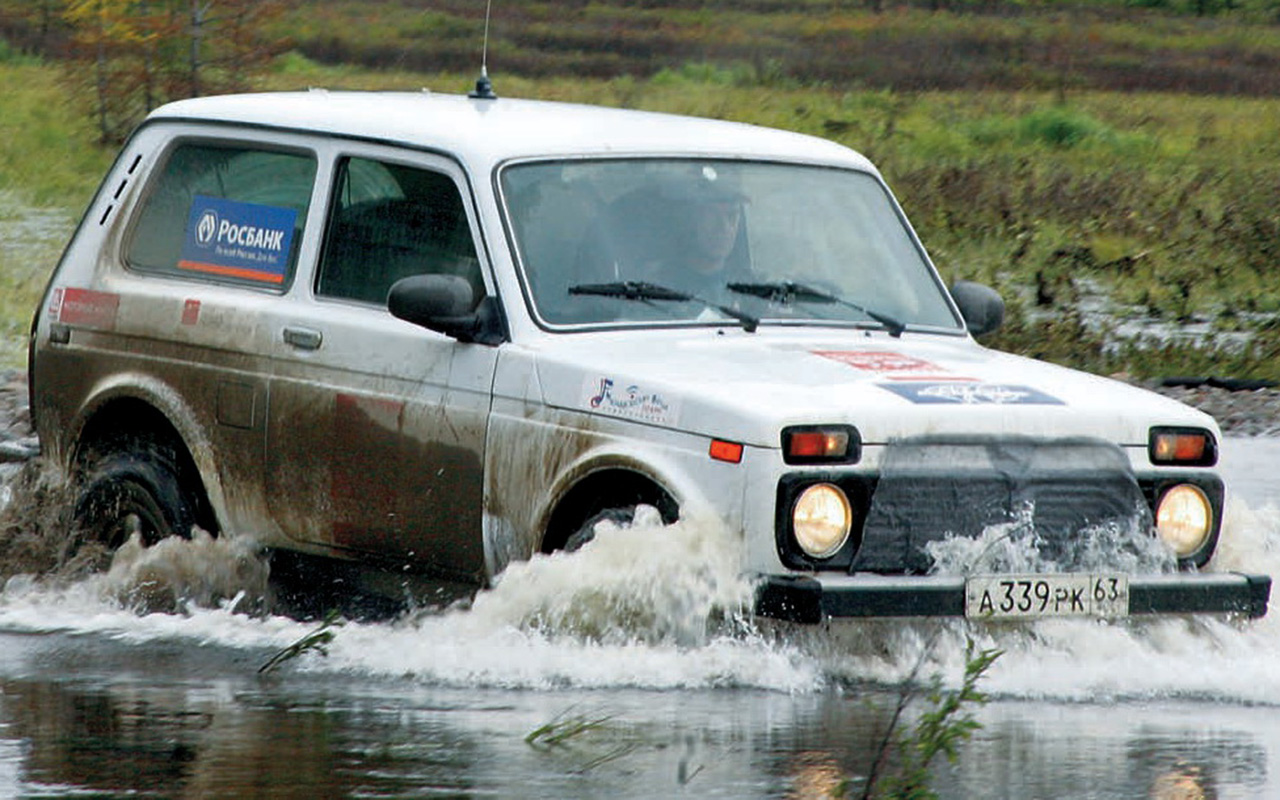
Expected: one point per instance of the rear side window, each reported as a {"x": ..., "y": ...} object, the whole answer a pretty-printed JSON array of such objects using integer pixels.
[
  {"x": 387, "y": 222},
  {"x": 231, "y": 213}
]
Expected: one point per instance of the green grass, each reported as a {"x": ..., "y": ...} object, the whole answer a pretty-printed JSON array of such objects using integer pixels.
[
  {"x": 1170, "y": 203},
  {"x": 47, "y": 141},
  {"x": 1006, "y": 44},
  {"x": 50, "y": 166}
]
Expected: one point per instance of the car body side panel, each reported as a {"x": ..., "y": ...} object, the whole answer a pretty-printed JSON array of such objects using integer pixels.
[
  {"x": 376, "y": 439},
  {"x": 214, "y": 399},
  {"x": 377, "y": 426},
  {"x": 53, "y": 407}
]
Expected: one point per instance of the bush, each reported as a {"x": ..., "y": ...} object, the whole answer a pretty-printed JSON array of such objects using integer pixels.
[
  {"x": 706, "y": 74},
  {"x": 293, "y": 63},
  {"x": 12, "y": 55},
  {"x": 1059, "y": 127}
]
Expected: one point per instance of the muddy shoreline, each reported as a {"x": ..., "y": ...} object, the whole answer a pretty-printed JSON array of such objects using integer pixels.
[
  {"x": 18, "y": 441},
  {"x": 1240, "y": 412}
]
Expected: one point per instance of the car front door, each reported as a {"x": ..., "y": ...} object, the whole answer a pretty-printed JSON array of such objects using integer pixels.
[{"x": 376, "y": 426}]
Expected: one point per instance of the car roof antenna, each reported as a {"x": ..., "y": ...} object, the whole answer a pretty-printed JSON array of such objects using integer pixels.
[{"x": 484, "y": 87}]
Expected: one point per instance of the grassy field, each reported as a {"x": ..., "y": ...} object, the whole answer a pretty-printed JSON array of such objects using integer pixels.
[
  {"x": 49, "y": 168},
  {"x": 1167, "y": 203},
  {"x": 996, "y": 44}
]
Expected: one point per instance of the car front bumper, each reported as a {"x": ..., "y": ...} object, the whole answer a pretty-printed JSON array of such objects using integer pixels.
[{"x": 810, "y": 599}]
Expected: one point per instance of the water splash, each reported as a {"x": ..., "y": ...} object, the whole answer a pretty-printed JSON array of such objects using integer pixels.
[
  {"x": 176, "y": 574},
  {"x": 659, "y": 607},
  {"x": 642, "y": 581},
  {"x": 173, "y": 576},
  {"x": 1221, "y": 659},
  {"x": 641, "y": 605},
  {"x": 1016, "y": 546}
]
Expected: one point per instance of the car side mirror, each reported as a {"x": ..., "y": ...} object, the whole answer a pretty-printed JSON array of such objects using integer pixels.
[
  {"x": 444, "y": 303},
  {"x": 981, "y": 306}
]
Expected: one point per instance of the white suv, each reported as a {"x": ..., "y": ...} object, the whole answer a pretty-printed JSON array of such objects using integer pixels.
[{"x": 422, "y": 335}]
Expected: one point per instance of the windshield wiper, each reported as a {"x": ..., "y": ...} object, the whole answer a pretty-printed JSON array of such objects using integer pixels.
[
  {"x": 645, "y": 292},
  {"x": 787, "y": 292}
]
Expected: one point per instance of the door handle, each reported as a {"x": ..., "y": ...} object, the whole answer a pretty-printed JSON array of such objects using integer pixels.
[{"x": 303, "y": 338}]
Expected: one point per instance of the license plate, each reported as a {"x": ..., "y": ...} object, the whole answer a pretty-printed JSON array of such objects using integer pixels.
[{"x": 1032, "y": 596}]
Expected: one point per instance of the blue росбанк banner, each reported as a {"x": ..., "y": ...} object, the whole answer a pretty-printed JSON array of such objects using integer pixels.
[{"x": 238, "y": 240}]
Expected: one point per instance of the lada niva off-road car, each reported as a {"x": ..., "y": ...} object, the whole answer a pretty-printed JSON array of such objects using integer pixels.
[{"x": 435, "y": 334}]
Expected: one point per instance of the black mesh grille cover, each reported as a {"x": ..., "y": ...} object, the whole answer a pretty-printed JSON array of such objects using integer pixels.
[{"x": 932, "y": 489}]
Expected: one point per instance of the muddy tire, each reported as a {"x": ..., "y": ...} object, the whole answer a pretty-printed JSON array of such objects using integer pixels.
[
  {"x": 587, "y": 530},
  {"x": 141, "y": 489},
  {"x": 611, "y": 495}
]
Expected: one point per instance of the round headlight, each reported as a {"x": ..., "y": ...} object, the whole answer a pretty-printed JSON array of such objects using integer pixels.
[
  {"x": 821, "y": 519},
  {"x": 1184, "y": 518}
]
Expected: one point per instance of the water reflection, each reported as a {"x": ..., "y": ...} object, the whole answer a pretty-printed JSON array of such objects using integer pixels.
[
  {"x": 97, "y": 741},
  {"x": 134, "y": 740},
  {"x": 113, "y": 719},
  {"x": 1164, "y": 751}
]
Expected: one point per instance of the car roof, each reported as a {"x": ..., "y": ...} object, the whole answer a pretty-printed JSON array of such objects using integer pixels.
[{"x": 497, "y": 130}]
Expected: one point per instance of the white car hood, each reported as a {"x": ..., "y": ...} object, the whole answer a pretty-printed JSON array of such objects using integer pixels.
[{"x": 746, "y": 387}]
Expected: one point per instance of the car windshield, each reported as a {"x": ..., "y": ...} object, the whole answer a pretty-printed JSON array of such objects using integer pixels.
[{"x": 656, "y": 241}]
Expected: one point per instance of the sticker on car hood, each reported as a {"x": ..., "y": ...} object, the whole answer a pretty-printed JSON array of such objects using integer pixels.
[
  {"x": 616, "y": 398},
  {"x": 971, "y": 394},
  {"x": 889, "y": 365}
]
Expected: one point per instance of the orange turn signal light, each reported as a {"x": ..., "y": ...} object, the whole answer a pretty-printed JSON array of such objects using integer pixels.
[
  {"x": 726, "y": 451},
  {"x": 1182, "y": 446},
  {"x": 820, "y": 444}
]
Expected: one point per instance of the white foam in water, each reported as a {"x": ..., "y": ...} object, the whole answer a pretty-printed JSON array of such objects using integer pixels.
[
  {"x": 1015, "y": 547},
  {"x": 1194, "y": 657},
  {"x": 207, "y": 580},
  {"x": 655, "y": 606},
  {"x": 642, "y": 581},
  {"x": 643, "y": 605},
  {"x": 202, "y": 572},
  {"x": 640, "y": 605}
]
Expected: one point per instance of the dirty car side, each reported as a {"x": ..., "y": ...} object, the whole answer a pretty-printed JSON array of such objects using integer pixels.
[{"x": 432, "y": 335}]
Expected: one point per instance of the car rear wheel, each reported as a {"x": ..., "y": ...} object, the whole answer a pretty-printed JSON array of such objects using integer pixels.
[{"x": 139, "y": 490}]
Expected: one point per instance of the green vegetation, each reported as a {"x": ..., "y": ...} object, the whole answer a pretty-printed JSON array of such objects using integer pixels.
[
  {"x": 1031, "y": 165},
  {"x": 908, "y": 755},
  {"x": 47, "y": 150},
  {"x": 1157, "y": 45},
  {"x": 584, "y": 742},
  {"x": 49, "y": 168},
  {"x": 316, "y": 641}
]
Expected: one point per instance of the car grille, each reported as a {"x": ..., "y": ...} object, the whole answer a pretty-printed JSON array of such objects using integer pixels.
[{"x": 1050, "y": 497}]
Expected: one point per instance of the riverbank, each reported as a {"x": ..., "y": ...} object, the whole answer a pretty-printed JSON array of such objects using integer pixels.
[
  {"x": 1254, "y": 412},
  {"x": 17, "y": 439}
]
